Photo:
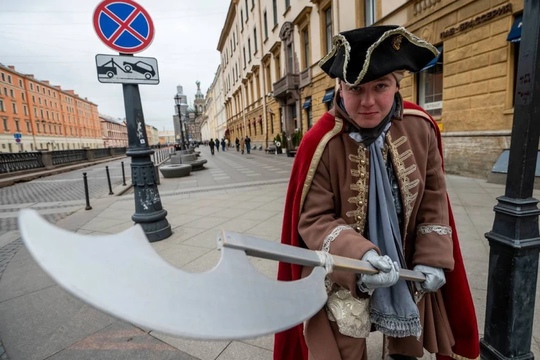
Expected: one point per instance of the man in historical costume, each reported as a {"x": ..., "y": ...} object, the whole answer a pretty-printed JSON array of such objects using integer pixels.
[{"x": 368, "y": 183}]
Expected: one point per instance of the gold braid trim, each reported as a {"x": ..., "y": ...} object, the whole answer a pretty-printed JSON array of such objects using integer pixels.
[
  {"x": 361, "y": 186},
  {"x": 402, "y": 173},
  {"x": 317, "y": 158}
]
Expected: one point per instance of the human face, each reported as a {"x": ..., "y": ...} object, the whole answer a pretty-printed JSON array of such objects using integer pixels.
[{"x": 368, "y": 104}]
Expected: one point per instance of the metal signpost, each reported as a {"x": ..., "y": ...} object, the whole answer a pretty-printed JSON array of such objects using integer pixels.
[{"x": 124, "y": 26}]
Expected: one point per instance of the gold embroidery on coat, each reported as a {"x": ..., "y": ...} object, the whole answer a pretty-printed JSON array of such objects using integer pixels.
[
  {"x": 359, "y": 170},
  {"x": 402, "y": 173}
]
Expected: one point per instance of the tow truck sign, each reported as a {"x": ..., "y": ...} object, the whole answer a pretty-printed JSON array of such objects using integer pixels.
[{"x": 120, "y": 69}]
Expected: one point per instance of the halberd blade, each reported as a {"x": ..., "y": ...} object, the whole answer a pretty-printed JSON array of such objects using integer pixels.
[{"x": 122, "y": 275}]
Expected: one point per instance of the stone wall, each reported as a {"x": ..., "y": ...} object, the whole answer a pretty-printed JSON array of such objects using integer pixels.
[{"x": 473, "y": 153}]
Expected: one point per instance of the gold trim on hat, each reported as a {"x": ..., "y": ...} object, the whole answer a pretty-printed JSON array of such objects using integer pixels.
[{"x": 340, "y": 40}]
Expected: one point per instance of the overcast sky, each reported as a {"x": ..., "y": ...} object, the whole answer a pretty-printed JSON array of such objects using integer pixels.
[{"x": 55, "y": 40}]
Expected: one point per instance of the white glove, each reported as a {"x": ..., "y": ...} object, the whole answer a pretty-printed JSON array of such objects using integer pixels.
[
  {"x": 388, "y": 273},
  {"x": 434, "y": 277}
]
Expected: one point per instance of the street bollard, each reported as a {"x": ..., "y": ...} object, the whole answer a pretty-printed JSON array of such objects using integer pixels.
[
  {"x": 156, "y": 174},
  {"x": 109, "y": 180},
  {"x": 123, "y": 175},
  {"x": 88, "y": 207}
]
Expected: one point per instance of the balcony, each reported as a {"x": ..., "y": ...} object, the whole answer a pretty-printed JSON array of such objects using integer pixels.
[
  {"x": 305, "y": 78},
  {"x": 285, "y": 85}
]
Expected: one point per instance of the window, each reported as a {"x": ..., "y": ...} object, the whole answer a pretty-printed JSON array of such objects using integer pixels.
[
  {"x": 28, "y": 128},
  {"x": 265, "y": 22},
  {"x": 9, "y": 79},
  {"x": 255, "y": 39},
  {"x": 277, "y": 62},
  {"x": 328, "y": 29},
  {"x": 20, "y": 83},
  {"x": 287, "y": 4},
  {"x": 23, "y": 97},
  {"x": 11, "y": 93},
  {"x": 14, "y": 107},
  {"x": 328, "y": 98},
  {"x": 370, "y": 11},
  {"x": 430, "y": 86},
  {"x": 249, "y": 50},
  {"x": 309, "y": 113},
  {"x": 31, "y": 86},
  {"x": 247, "y": 12},
  {"x": 3, "y": 77},
  {"x": 305, "y": 40},
  {"x": 2, "y": 105},
  {"x": 17, "y": 126},
  {"x": 274, "y": 8},
  {"x": 25, "y": 110},
  {"x": 37, "y": 127},
  {"x": 268, "y": 78},
  {"x": 244, "y": 49},
  {"x": 5, "y": 122},
  {"x": 289, "y": 68},
  {"x": 242, "y": 19}
]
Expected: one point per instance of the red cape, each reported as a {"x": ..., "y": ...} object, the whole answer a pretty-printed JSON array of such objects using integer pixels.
[{"x": 290, "y": 344}]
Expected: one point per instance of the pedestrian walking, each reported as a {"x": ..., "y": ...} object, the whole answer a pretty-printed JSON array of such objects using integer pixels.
[
  {"x": 248, "y": 144},
  {"x": 368, "y": 183},
  {"x": 237, "y": 143},
  {"x": 242, "y": 145},
  {"x": 211, "y": 143},
  {"x": 217, "y": 144},
  {"x": 223, "y": 144}
]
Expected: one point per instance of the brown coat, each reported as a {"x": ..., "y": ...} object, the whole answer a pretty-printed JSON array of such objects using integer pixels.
[{"x": 338, "y": 194}]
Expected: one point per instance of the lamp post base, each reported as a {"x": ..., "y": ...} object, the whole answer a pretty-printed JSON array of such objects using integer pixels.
[{"x": 149, "y": 212}]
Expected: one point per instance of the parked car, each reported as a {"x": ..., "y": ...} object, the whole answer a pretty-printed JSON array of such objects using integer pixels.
[{"x": 141, "y": 67}]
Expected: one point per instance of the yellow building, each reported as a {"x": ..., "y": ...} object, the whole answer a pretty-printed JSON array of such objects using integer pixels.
[{"x": 272, "y": 83}]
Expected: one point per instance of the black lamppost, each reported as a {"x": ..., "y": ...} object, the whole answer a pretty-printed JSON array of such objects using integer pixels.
[
  {"x": 178, "y": 102},
  {"x": 515, "y": 240}
]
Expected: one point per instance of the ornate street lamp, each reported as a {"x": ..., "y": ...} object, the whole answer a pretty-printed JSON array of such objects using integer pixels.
[{"x": 178, "y": 102}]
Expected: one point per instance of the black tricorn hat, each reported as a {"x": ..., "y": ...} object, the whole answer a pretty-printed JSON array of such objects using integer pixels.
[{"x": 366, "y": 54}]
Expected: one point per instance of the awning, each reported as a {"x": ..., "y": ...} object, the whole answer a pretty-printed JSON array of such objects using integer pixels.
[
  {"x": 433, "y": 62},
  {"x": 515, "y": 32},
  {"x": 328, "y": 96},
  {"x": 307, "y": 103}
]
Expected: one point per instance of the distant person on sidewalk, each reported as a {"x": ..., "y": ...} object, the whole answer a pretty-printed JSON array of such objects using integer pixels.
[
  {"x": 223, "y": 144},
  {"x": 248, "y": 144},
  {"x": 211, "y": 143},
  {"x": 242, "y": 145},
  {"x": 237, "y": 143},
  {"x": 217, "y": 144},
  {"x": 368, "y": 183}
]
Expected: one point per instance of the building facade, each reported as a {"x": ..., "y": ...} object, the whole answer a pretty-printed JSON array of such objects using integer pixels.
[
  {"x": 214, "y": 121},
  {"x": 44, "y": 116},
  {"x": 272, "y": 84},
  {"x": 114, "y": 132}
]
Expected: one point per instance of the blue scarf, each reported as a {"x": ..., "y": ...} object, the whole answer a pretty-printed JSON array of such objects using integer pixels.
[{"x": 393, "y": 309}]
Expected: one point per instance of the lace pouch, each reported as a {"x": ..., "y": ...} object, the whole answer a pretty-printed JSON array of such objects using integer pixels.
[{"x": 350, "y": 314}]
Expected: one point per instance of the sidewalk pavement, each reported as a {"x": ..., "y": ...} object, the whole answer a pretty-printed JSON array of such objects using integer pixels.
[{"x": 38, "y": 320}]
